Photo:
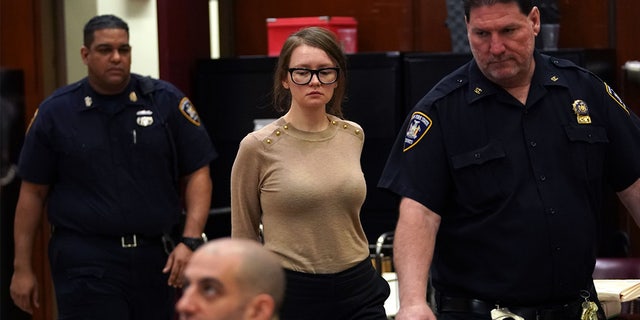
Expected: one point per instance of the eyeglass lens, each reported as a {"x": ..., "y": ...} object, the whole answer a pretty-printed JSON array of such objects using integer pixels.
[{"x": 303, "y": 76}]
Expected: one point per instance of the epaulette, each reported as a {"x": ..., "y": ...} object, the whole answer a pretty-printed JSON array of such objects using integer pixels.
[
  {"x": 67, "y": 89},
  {"x": 447, "y": 85},
  {"x": 62, "y": 91},
  {"x": 568, "y": 64},
  {"x": 562, "y": 63}
]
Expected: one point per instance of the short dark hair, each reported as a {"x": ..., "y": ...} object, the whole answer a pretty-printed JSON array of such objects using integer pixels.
[
  {"x": 106, "y": 21},
  {"x": 524, "y": 5},
  {"x": 320, "y": 38}
]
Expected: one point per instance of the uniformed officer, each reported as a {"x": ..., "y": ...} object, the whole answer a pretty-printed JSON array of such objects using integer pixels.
[
  {"x": 115, "y": 157},
  {"x": 501, "y": 168}
]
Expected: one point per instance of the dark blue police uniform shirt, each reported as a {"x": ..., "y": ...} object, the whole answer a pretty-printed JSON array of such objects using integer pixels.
[
  {"x": 108, "y": 159},
  {"x": 519, "y": 188}
]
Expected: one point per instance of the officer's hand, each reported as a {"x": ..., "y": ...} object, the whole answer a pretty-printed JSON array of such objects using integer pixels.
[
  {"x": 417, "y": 312},
  {"x": 176, "y": 263},
  {"x": 24, "y": 290}
]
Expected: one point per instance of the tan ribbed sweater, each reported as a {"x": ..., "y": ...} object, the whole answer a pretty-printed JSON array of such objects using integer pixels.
[{"x": 307, "y": 189}]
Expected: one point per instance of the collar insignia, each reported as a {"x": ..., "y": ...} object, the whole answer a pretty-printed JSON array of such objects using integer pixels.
[
  {"x": 582, "y": 112},
  {"x": 88, "y": 101},
  {"x": 554, "y": 78},
  {"x": 477, "y": 90},
  {"x": 133, "y": 97},
  {"x": 418, "y": 127}
]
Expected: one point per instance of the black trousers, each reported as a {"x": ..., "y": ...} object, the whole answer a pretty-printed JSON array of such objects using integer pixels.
[
  {"x": 356, "y": 293},
  {"x": 96, "y": 278}
]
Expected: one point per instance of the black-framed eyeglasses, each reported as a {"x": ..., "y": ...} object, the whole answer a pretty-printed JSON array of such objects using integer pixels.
[{"x": 303, "y": 76}]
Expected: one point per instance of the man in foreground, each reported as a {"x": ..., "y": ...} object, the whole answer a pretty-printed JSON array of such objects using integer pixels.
[{"x": 232, "y": 279}]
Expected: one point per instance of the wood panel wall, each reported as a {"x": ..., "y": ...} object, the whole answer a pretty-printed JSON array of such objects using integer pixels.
[
  {"x": 584, "y": 24},
  {"x": 21, "y": 47},
  {"x": 627, "y": 25},
  {"x": 399, "y": 25},
  {"x": 383, "y": 25},
  {"x": 179, "y": 46}
]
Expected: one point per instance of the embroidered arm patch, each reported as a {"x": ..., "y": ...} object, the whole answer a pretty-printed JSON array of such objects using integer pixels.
[
  {"x": 616, "y": 98},
  {"x": 189, "y": 111},
  {"x": 35, "y": 114},
  {"x": 418, "y": 127}
]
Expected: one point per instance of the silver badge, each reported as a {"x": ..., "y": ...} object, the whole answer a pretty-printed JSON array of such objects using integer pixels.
[
  {"x": 144, "y": 121},
  {"x": 145, "y": 118}
]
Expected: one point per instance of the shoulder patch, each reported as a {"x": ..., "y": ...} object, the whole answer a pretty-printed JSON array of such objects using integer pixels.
[
  {"x": 419, "y": 124},
  {"x": 616, "y": 98},
  {"x": 35, "y": 114},
  {"x": 189, "y": 111}
]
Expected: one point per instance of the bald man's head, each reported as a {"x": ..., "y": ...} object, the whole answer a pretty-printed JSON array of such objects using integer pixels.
[
  {"x": 259, "y": 269},
  {"x": 232, "y": 279}
]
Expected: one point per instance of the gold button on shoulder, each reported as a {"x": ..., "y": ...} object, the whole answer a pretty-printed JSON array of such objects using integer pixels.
[
  {"x": 345, "y": 126},
  {"x": 277, "y": 132},
  {"x": 357, "y": 131},
  {"x": 268, "y": 141},
  {"x": 286, "y": 127},
  {"x": 334, "y": 122}
]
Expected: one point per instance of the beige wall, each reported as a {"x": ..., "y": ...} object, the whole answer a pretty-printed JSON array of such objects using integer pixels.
[
  {"x": 139, "y": 14},
  {"x": 142, "y": 19}
]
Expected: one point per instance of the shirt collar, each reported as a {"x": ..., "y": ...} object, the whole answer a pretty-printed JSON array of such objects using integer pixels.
[
  {"x": 91, "y": 100},
  {"x": 545, "y": 74}
]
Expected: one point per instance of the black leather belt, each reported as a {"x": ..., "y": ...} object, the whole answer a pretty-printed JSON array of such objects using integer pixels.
[
  {"x": 571, "y": 310},
  {"x": 125, "y": 241},
  {"x": 453, "y": 304}
]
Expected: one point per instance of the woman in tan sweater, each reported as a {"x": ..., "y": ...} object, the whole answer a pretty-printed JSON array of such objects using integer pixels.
[{"x": 300, "y": 177}]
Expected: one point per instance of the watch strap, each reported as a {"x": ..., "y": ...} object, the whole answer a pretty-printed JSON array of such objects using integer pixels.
[{"x": 192, "y": 243}]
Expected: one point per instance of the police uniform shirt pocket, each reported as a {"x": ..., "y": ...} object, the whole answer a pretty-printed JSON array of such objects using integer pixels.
[
  {"x": 587, "y": 148},
  {"x": 479, "y": 156},
  {"x": 151, "y": 152},
  {"x": 588, "y": 134},
  {"x": 480, "y": 176}
]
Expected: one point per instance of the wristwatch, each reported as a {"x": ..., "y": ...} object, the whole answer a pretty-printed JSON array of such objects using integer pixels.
[{"x": 192, "y": 243}]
